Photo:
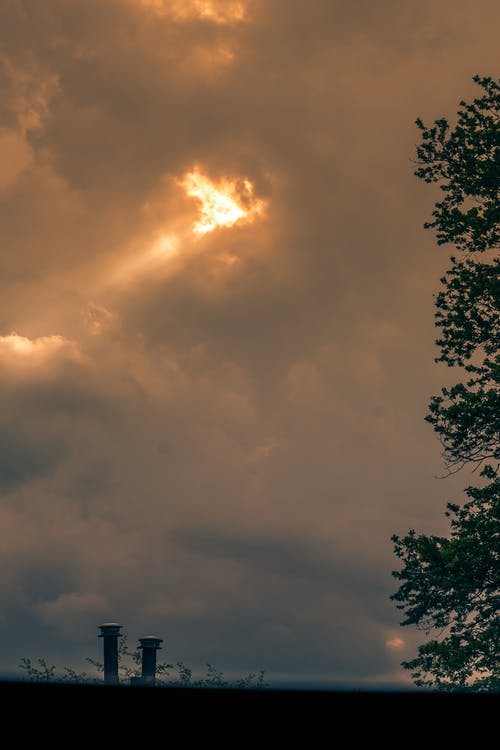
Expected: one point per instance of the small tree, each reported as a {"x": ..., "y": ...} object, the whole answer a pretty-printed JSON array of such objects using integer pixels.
[{"x": 451, "y": 585}]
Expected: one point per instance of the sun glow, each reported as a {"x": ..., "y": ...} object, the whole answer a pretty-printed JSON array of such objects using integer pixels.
[{"x": 223, "y": 204}]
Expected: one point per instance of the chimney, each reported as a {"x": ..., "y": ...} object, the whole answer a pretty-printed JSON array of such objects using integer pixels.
[
  {"x": 149, "y": 645},
  {"x": 110, "y": 632}
]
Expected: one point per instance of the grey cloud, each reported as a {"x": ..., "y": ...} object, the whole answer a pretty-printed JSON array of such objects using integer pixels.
[
  {"x": 23, "y": 458},
  {"x": 290, "y": 558}
]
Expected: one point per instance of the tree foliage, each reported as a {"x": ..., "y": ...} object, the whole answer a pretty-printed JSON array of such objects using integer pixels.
[{"x": 450, "y": 586}]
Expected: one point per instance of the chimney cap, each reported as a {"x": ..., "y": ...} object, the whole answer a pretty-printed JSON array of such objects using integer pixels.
[
  {"x": 150, "y": 641},
  {"x": 110, "y": 628}
]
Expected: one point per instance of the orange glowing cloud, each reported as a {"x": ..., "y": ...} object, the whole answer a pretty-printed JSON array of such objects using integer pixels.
[
  {"x": 223, "y": 204},
  {"x": 216, "y": 11},
  {"x": 25, "y": 347},
  {"x": 22, "y": 352},
  {"x": 395, "y": 643}
]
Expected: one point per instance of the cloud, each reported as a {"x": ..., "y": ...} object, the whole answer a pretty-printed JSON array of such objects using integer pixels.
[
  {"x": 73, "y": 614},
  {"x": 214, "y": 11},
  {"x": 395, "y": 643},
  {"x": 15, "y": 156},
  {"x": 25, "y": 351}
]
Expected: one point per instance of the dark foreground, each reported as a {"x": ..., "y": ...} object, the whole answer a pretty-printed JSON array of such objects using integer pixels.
[{"x": 230, "y": 717}]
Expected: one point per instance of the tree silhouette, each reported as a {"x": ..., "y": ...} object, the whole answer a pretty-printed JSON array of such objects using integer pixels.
[{"x": 450, "y": 586}]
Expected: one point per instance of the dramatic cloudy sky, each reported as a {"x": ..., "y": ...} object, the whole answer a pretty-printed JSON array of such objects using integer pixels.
[{"x": 216, "y": 323}]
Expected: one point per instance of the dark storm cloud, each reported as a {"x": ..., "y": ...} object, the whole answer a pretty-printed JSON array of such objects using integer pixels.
[
  {"x": 219, "y": 447},
  {"x": 290, "y": 558}
]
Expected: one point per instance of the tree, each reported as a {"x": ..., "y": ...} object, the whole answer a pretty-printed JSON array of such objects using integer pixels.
[{"x": 450, "y": 586}]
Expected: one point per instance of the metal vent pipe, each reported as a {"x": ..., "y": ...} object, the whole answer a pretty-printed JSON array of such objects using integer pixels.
[
  {"x": 110, "y": 632},
  {"x": 149, "y": 645}
]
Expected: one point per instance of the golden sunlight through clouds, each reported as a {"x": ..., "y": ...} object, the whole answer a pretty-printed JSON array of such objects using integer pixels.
[
  {"x": 217, "y": 11},
  {"x": 152, "y": 261},
  {"x": 223, "y": 204},
  {"x": 22, "y": 352},
  {"x": 22, "y": 345}
]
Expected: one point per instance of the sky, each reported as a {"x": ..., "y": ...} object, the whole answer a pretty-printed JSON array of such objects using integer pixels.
[{"x": 216, "y": 325}]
